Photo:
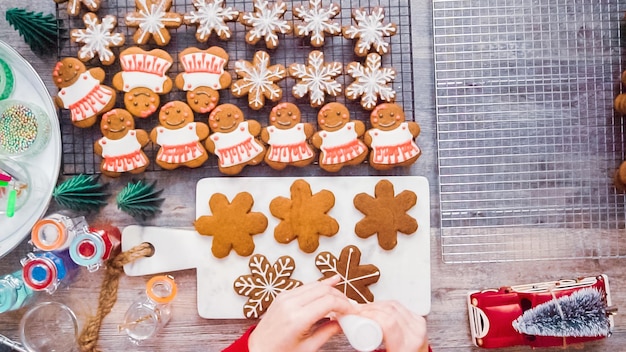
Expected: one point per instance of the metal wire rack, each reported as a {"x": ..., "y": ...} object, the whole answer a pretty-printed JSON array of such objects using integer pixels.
[
  {"x": 527, "y": 138},
  {"x": 78, "y": 156}
]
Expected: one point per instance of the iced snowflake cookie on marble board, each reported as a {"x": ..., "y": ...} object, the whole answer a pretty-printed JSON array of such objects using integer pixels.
[
  {"x": 234, "y": 140},
  {"x": 371, "y": 82},
  {"x": 153, "y": 20},
  {"x": 258, "y": 80},
  {"x": 179, "y": 137},
  {"x": 211, "y": 16},
  {"x": 121, "y": 146},
  {"x": 369, "y": 31},
  {"x": 204, "y": 74},
  {"x": 338, "y": 138},
  {"x": 81, "y": 91},
  {"x": 287, "y": 138},
  {"x": 265, "y": 22},
  {"x": 316, "y": 79},
  {"x": 317, "y": 21},
  {"x": 97, "y": 38}
]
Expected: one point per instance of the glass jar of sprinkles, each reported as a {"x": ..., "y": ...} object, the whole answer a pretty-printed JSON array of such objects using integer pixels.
[{"x": 24, "y": 128}]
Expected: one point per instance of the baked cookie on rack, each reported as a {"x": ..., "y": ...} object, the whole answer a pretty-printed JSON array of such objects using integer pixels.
[
  {"x": 287, "y": 138},
  {"x": 338, "y": 138},
  {"x": 179, "y": 137},
  {"x": 142, "y": 79},
  {"x": 74, "y": 6},
  {"x": 316, "y": 79},
  {"x": 204, "y": 74},
  {"x": 81, "y": 91},
  {"x": 258, "y": 80},
  {"x": 265, "y": 22},
  {"x": 97, "y": 38},
  {"x": 317, "y": 21},
  {"x": 371, "y": 82},
  {"x": 153, "y": 19},
  {"x": 234, "y": 140},
  {"x": 211, "y": 16},
  {"x": 391, "y": 138},
  {"x": 121, "y": 146},
  {"x": 370, "y": 31}
]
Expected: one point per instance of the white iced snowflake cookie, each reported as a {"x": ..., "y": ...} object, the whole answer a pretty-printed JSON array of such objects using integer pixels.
[
  {"x": 370, "y": 31},
  {"x": 97, "y": 38},
  {"x": 153, "y": 19},
  {"x": 210, "y": 16},
  {"x": 371, "y": 82},
  {"x": 316, "y": 79},
  {"x": 74, "y": 6},
  {"x": 266, "y": 21},
  {"x": 317, "y": 21},
  {"x": 258, "y": 80}
]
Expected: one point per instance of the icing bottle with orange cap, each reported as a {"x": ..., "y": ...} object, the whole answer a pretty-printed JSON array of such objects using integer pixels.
[
  {"x": 146, "y": 316},
  {"x": 92, "y": 247}
]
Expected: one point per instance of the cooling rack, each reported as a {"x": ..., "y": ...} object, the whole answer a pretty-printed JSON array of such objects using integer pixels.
[
  {"x": 78, "y": 155},
  {"x": 527, "y": 138}
]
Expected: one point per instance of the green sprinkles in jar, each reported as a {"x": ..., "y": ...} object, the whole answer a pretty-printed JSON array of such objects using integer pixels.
[{"x": 18, "y": 129}]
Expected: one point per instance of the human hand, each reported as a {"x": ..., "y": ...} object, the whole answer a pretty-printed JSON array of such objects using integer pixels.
[
  {"x": 291, "y": 322},
  {"x": 403, "y": 330}
]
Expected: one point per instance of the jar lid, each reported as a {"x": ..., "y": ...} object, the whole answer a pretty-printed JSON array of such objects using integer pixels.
[
  {"x": 161, "y": 289},
  {"x": 87, "y": 249},
  {"x": 39, "y": 273},
  {"x": 48, "y": 234}
]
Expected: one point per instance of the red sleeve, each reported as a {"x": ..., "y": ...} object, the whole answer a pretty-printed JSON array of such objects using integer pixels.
[{"x": 241, "y": 344}]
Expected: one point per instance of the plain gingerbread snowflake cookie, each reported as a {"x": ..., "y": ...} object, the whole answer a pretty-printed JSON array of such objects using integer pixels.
[
  {"x": 211, "y": 16},
  {"x": 266, "y": 21},
  {"x": 317, "y": 21},
  {"x": 370, "y": 31},
  {"x": 97, "y": 38},
  {"x": 316, "y": 79},
  {"x": 371, "y": 81}
]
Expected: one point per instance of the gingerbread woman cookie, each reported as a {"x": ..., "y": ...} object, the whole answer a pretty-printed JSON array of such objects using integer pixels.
[
  {"x": 266, "y": 21},
  {"x": 152, "y": 20},
  {"x": 287, "y": 138},
  {"x": 338, "y": 138},
  {"x": 391, "y": 138},
  {"x": 179, "y": 137},
  {"x": 370, "y": 31},
  {"x": 234, "y": 140},
  {"x": 204, "y": 75},
  {"x": 121, "y": 146},
  {"x": 210, "y": 16},
  {"x": 97, "y": 38},
  {"x": 81, "y": 91},
  {"x": 142, "y": 79}
]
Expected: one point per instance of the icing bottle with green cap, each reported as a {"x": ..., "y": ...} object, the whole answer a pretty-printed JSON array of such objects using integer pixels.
[
  {"x": 14, "y": 294},
  {"x": 45, "y": 271}
]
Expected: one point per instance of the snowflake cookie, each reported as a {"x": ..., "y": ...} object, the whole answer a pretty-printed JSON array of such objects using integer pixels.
[
  {"x": 266, "y": 21},
  {"x": 370, "y": 82},
  {"x": 369, "y": 31},
  {"x": 73, "y": 6},
  {"x": 355, "y": 278},
  {"x": 211, "y": 15},
  {"x": 258, "y": 80},
  {"x": 265, "y": 283},
  {"x": 232, "y": 224},
  {"x": 316, "y": 21},
  {"x": 153, "y": 19},
  {"x": 316, "y": 79},
  {"x": 97, "y": 38},
  {"x": 385, "y": 214}
]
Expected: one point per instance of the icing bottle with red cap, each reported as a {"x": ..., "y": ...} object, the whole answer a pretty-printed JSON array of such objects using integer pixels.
[
  {"x": 45, "y": 271},
  {"x": 14, "y": 294},
  {"x": 92, "y": 247},
  {"x": 56, "y": 232},
  {"x": 148, "y": 315}
]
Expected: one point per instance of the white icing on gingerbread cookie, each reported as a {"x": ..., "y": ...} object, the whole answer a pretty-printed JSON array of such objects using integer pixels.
[
  {"x": 370, "y": 82},
  {"x": 370, "y": 31},
  {"x": 316, "y": 79},
  {"x": 97, "y": 38},
  {"x": 258, "y": 80},
  {"x": 317, "y": 21},
  {"x": 266, "y": 21},
  {"x": 211, "y": 15},
  {"x": 153, "y": 18}
]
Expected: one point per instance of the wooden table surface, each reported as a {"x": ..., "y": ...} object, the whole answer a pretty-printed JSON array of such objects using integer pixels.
[{"x": 447, "y": 322}]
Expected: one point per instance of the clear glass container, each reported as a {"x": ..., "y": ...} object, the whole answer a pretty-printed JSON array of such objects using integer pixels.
[
  {"x": 14, "y": 294},
  {"x": 15, "y": 186},
  {"x": 49, "y": 326},
  {"x": 45, "y": 271},
  {"x": 24, "y": 128},
  {"x": 146, "y": 316},
  {"x": 55, "y": 232}
]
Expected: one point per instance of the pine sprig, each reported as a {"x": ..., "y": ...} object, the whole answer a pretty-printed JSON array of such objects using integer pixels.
[
  {"x": 40, "y": 31},
  {"x": 81, "y": 192},
  {"x": 140, "y": 199}
]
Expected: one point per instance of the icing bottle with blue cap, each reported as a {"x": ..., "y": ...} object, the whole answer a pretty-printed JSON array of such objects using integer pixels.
[
  {"x": 94, "y": 246},
  {"x": 45, "y": 271},
  {"x": 55, "y": 232},
  {"x": 14, "y": 294}
]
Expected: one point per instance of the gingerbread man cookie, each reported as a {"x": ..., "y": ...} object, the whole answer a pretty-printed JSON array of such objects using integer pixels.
[
  {"x": 179, "y": 137},
  {"x": 370, "y": 31},
  {"x": 204, "y": 75},
  {"x": 338, "y": 138},
  {"x": 210, "y": 16},
  {"x": 121, "y": 146},
  {"x": 287, "y": 138},
  {"x": 234, "y": 139},
  {"x": 266, "y": 21},
  {"x": 391, "y": 138},
  {"x": 152, "y": 20},
  {"x": 97, "y": 38},
  {"x": 81, "y": 91},
  {"x": 142, "y": 79}
]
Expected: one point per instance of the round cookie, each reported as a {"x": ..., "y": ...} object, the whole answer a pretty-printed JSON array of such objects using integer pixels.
[
  {"x": 391, "y": 138},
  {"x": 338, "y": 138},
  {"x": 179, "y": 137},
  {"x": 81, "y": 91},
  {"x": 234, "y": 139},
  {"x": 287, "y": 138},
  {"x": 121, "y": 146}
]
